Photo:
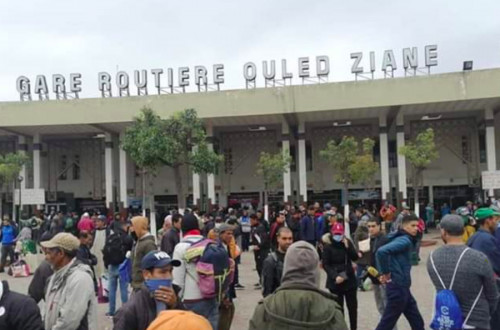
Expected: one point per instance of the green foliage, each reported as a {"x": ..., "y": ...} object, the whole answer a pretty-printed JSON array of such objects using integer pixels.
[
  {"x": 10, "y": 166},
  {"x": 152, "y": 142},
  {"x": 421, "y": 152},
  {"x": 364, "y": 169},
  {"x": 349, "y": 164},
  {"x": 271, "y": 168}
]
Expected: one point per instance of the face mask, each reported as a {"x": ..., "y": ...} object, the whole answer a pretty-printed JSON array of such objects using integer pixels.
[
  {"x": 338, "y": 238},
  {"x": 217, "y": 225},
  {"x": 134, "y": 236}
]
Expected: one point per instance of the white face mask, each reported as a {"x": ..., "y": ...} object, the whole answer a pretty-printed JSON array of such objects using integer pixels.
[
  {"x": 338, "y": 238},
  {"x": 217, "y": 225}
]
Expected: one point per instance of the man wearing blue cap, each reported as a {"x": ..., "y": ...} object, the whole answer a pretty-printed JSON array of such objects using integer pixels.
[{"x": 155, "y": 294}]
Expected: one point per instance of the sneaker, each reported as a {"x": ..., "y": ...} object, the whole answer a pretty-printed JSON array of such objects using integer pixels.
[
  {"x": 238, "y": 286},
  {"x": 108, "y": 314},
  {"x": 256, "y": 284},
  {"x": 258, "y": 287}
]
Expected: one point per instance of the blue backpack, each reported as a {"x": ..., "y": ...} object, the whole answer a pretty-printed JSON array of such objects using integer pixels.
[{"x": 447, "y": 312}]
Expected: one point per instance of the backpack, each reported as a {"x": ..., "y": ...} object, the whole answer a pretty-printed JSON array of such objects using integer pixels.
[
  {"x": 214, "y": 267},
  {"x": 447, "y": 313},
  {"x": 114, "y": 249}
]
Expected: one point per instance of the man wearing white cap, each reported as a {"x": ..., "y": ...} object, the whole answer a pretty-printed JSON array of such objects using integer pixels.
[{"x": 70, "y": 300}]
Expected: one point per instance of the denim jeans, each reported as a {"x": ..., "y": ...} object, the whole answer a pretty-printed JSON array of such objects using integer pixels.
[
  {"x": 400, "y": 301},
  {"x": 208, "y": 308},
  {"x": 114, "y": 277}
]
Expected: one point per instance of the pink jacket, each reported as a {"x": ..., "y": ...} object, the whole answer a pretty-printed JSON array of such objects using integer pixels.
[{"x": 86, "y": 224}]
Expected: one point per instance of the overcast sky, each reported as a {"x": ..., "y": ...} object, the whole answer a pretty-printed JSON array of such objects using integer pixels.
[{"x": 48, "y": 37}]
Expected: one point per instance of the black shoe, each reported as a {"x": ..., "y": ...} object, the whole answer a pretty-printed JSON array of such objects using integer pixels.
[
  {"x": 256, "y": 284},
  {"x": 258, "y": 287},
  {"x": 238, "y": 286}
]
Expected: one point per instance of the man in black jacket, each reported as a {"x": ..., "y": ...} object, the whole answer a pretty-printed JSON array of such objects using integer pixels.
[
  {"x": 273, "y": 264},
  {"x": 172, "y": 236},
  {"x": 17, "y": 311},
  {"x": 37, "y": 286},
  {"x": 150, "y": 299},
  {"x": 259, "y": 241},
  {"x": 84, "y": 255}
]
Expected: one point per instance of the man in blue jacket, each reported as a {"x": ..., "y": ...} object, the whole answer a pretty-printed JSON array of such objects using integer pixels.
[
  {"x": 394, "y": 262},
  {"x": 8, "y": 234},
  {"x": 308, "y": 227},
  {"x": 484, "y": 241}
]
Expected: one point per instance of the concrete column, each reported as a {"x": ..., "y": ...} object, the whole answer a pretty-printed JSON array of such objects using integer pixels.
[
  {"x": 384, "y": 158},
  {"x": 210, "y": 176},
  {"x": 22, "y": 149},
  {"x": 196, "y": 189},
  {"x": 123, "y": 176},
  {"x": 431, "y": 194},
  {"x": 302, "y": 162},
  {"x": 490, "y": 143},
  {"x": 37, "y": 165},
  {"x": 400, "y": 139},
  {"x": 287, "y": 179},
  {"x": 108, "y": 166}
]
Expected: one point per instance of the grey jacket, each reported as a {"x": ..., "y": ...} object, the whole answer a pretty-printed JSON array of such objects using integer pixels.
[
  {"x": 70, "y": 299},
  {"x": 474, "y": 272}
]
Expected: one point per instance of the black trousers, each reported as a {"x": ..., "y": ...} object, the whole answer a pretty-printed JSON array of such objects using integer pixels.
[
  {"x": 351, "y": 300},
  {"x": 7, "y": 250}
]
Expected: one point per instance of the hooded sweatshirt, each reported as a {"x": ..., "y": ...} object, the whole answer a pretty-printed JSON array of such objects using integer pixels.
[
  {"x": 17, "y": 311},
  {"x": 299, "y": 303},
  {"x": 70, "y": 300}
]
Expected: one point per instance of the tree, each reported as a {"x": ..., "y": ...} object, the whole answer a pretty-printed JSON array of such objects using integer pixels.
[
  {"x": 350, "y": 165},
  {"x": 271, "y": 168},
  {"x": 10, "y": 166},
  {"x": 176, "y": 142},
  {"x": 420, "y": 154}
]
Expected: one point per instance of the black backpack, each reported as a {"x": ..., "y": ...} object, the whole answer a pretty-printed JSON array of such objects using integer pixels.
[{"x": 114, "y": 249}]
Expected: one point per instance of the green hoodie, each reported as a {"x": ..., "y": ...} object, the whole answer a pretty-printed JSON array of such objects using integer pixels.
[{"x": 299, "y": 303}]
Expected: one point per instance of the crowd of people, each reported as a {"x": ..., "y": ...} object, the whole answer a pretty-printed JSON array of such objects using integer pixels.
[{"x": 187, "y": 275}]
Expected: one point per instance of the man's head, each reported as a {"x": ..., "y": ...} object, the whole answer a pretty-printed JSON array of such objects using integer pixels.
[
  {"x": 281, "y": 217},
  {"x": 259, "y": 214},
  {"x": 316, "y": 206},
  {"x": 189, "y": 223},
  {"x": 284, "y": 237},
  {"x": 328, "y": 207},
  {"x": 100, "y": 222},
  {"x": 226, "y": 233},
  {"x": 373, "y": 227},
  {"x": 177, "y": 221},
  {"x": 6, "y": 221},
  {"x": 158, "y": 265},
  {"x": 452, "y": 226},
  {"x": 140, "y": 225},
  {"x": 410, "y": 224},
  {"x": 359, "y": 211},
  {"x": 60, "y": 250},
  {"x": 406, "y": 209},
  {"x": 167, "y": 222},
  {"x": 254, "y": 220},
  {"x": 85, "y": 238},
  {"x": 487, "y": 218},
  {"x": 311, "y": 210}
]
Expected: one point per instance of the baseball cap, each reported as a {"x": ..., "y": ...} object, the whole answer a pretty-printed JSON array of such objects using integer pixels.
[
  {"x": 158, "y": 259},
  {"x": 65, "y": 241},
  {"x": 485, "y": 212},
  {"x": 338, "y": 229},
  {"x": 328, "y": 206},
  {"x": 406, "y": 206}
]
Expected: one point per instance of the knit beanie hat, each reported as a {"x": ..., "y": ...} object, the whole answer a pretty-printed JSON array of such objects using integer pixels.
[
  {"x": 189, "y": 222},
  {"x": 179, "y": 320}
]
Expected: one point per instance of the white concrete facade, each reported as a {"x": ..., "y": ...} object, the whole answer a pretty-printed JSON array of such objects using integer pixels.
[{"x": 299, "y": 120}]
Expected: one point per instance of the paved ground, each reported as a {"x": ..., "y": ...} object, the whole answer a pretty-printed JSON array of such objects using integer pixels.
[{"x": 247, "y": 299}]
